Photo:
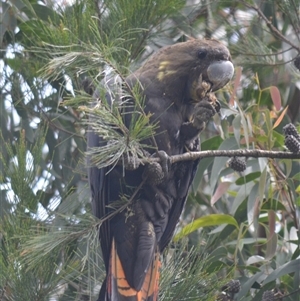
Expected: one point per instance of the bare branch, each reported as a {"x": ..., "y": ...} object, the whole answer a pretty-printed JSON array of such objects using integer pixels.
[{"x": 255, "y": 153}]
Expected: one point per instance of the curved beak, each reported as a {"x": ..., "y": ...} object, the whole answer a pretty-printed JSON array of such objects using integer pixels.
[{"x": 219, "y": 74}]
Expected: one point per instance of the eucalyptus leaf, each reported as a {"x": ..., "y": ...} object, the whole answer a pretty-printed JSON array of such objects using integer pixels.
[
  {"x": 248, "y": 178},
  {"x": 206, "y": 221},
  {"x": 202, "y": 167},
  {"x": 243, "y": 193},
  {"x": 248, "y": 284},
  {"x": 287, "y": 268},
  {"x": 237, "y": 128},
  {"x": 271, "y": 246},
  {"x": 253, "y": 208},
  {"x": 220, "y": 162},
  {"x": 262, "y": 185}
]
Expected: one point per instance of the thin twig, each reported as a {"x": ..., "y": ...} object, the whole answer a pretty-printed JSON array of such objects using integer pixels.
[{"x": 272, "y": 28}]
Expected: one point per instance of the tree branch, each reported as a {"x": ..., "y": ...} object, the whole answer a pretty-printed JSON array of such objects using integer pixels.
[{"x": 255, "y": 153}]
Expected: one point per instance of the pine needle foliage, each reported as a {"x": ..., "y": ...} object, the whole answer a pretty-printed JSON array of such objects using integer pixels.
[
  {"x": 185, "y": 276},
  {"x": 108, "y": 116},
  {"x": 122, "y": 139},
  {"x": 19, "y": 179},
  {"x": 20, "y": 172}
]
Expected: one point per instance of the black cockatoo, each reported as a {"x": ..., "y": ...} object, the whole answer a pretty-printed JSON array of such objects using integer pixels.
[{"x": 177, "y": 83}]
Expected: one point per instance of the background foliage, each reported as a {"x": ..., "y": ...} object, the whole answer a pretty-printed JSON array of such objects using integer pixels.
[{"x": 49, "y": 246}]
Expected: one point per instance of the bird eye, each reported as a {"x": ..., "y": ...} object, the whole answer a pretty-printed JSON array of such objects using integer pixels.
[{"x": 202, "y": 54}]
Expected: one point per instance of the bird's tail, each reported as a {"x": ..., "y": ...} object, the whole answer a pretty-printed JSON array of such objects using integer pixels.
[{"x": 117, "y": 287}]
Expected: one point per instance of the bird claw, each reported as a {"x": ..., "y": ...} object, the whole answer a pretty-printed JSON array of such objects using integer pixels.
[
  {"x": 203, "y": 93},
  {"x": 165, "y": 162},
  {"x": 205, "y": 110},
  {"x": 212, "y": 99},
  {"x": 156, "y": 172},
  {"x": 202, "y": 88}
]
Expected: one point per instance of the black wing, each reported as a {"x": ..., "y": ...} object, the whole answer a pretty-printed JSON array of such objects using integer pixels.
[
  {"x": 99, "y": 181},
  {"x": 149, "y": 222}
]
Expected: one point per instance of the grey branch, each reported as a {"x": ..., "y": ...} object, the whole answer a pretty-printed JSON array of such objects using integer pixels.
[{"x": 254, "y": 153}]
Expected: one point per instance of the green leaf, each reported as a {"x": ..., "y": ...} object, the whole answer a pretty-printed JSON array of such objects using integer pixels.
[
  {"x": 278, "y": 139},
  {"x": 237, "y": 128},
  {"x": 263, "y": 163},
  {"x": 289, "y": 267},
  {"x": 220, "y": 162},
  {"x": 288, "y": 167},
  {"x": 296, "y": 253},
  {"x": 271, "y": 246},
  {"x": 252, "y": 207},
  {"x": 248, "y": 284},
  {"x": 45, "y": 13},
  {"x": 272, "y": 204},
  {"x": 245, "y": 127},
  {"x": 248, "y": 241},
  {"x": 296, "y": 177},
  {"x": 206, "y": 221},
  {"x": 262, "y": 185},
  {"x": 203, "y": 165},
  {"x": 212, "y": 143},
  {"x": 248, "y": 178},
  {"x": 242, "y": 194},
  {"x": 250, "y": 268},
  {"x": 215, "y": 265}
]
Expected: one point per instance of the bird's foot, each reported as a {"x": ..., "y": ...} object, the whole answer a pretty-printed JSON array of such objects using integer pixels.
[
  {"x": 202, "y": 88},
  {"x": 212, "y": 99},
  {"x": 203, "y": 93},
  {"x": 155, "y": 172},
  {"x": 203, "y": 112}
]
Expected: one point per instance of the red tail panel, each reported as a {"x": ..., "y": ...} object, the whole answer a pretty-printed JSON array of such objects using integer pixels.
[{"x": 118, "y": 288}]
